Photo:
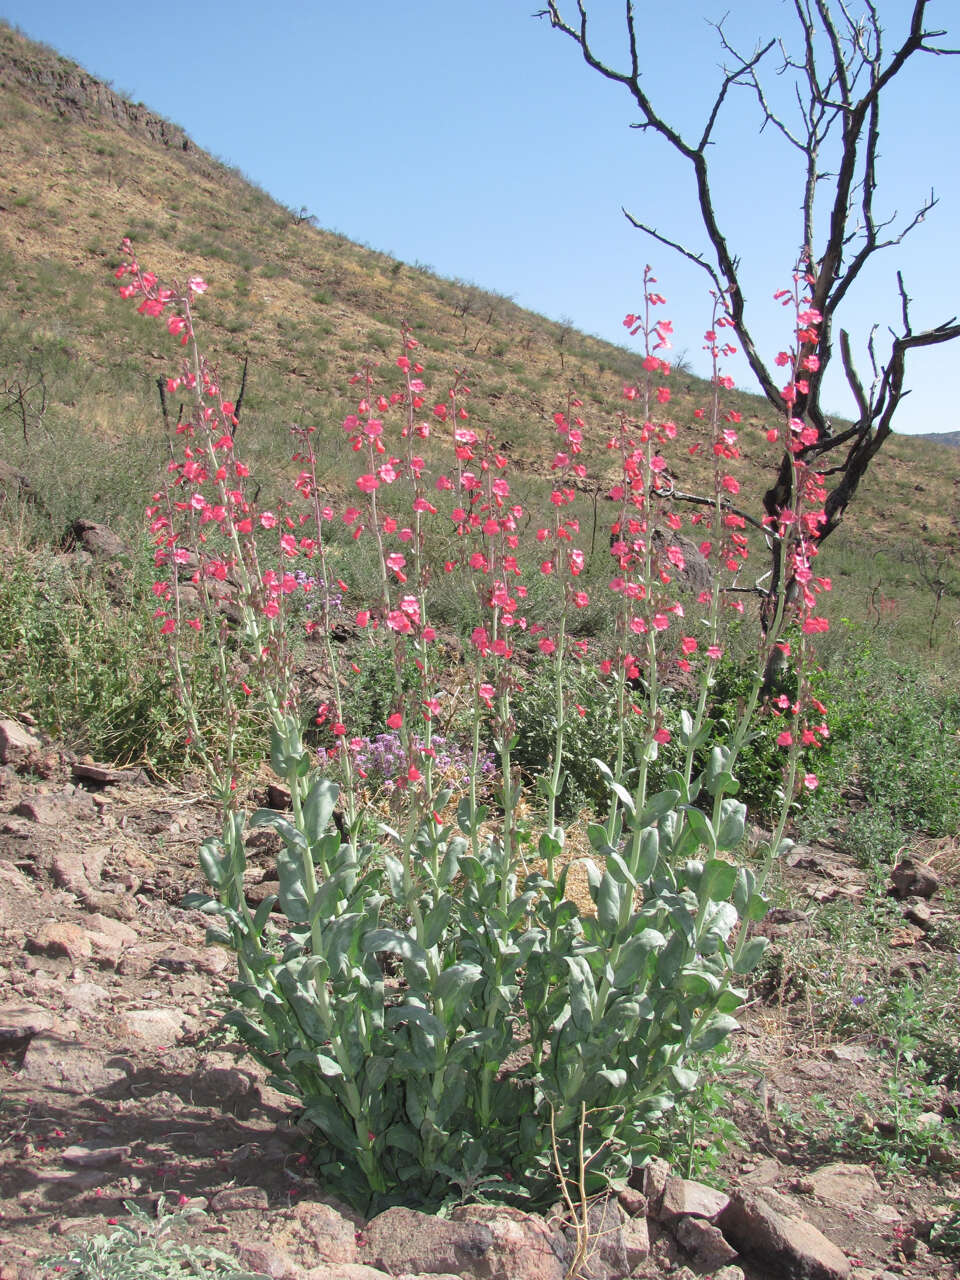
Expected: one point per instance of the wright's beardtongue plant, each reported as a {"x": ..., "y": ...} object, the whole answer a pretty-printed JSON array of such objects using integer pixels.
[{"x": 449, "y": 1020}]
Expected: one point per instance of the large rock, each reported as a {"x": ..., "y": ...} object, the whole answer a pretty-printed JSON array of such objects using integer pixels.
[
  {"x": 62, "y": 1064},
  {"x": 914, "y": 879},
  {"x": 101, "y": 543},
  {"x": 797, "y": 1248},
  {"x": 78, "y": 870},
  {"x": 59, "y": 938},
  {"x": 845, "y": 1186},
  {"x": 484, "y": 1242},
  {"x": 682, "y": 1197},
  {"x": 158, "y": 1027},
  {"x": 615, "y": 1243},
  {"x": 704, "y": 1242},
  {"x": 19, "y": 1021},
  {"x": 17, "y": 744},
  {"x": 332, "y": 1236}
]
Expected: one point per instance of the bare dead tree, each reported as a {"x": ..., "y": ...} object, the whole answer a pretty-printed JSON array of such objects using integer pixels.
[{"x": 840, "y": 71}]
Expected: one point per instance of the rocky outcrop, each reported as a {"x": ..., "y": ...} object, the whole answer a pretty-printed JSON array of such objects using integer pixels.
[{"x": 40, "y": 74}]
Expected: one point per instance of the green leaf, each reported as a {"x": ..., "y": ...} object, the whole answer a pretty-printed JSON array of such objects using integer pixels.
[
  {"x": 597, "y": 836},
  {"x": 436, "y": 920},
  {"x": 318, "y": 807},
  {"x": 733, "y": 818},
  {"x": 455, "y": 979},
  {"x": 583, "y": 994},
  {"x": 293, "y": 894},
  {"x": 549, "y": 847},
  {"x": 685, "y": 1077},
  {"x": 648, "y": 852},
  {"x": 215, "y": 867},
  {"x": 757, "y": 907},
  {"x": 394, "y": 872},
  {"x": 429, "y": 1023},
  {"x": 718, "y": 880},
  {"x": 743, "y": 889},
  {"x": 200, "y": 902},
  {"x": 751, "y": 955},
  {"x": 395, "y": 941},
  {"x": 717, "y": 1028},
  {"x": 619, "y": 869},
  {"x": 609, "y": 901},
  {"x": 333, "y": 1121},
  {"x": 658, "y": 806},
  {"x": 634, "y": 956},
  {"x": 702, "y": 828}
]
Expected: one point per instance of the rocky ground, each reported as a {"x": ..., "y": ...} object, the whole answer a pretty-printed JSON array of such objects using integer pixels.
[{"x": 117, "y": 1087}]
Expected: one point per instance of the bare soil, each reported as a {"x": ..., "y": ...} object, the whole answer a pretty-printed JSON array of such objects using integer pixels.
[{"x": 117, "y": 1085}]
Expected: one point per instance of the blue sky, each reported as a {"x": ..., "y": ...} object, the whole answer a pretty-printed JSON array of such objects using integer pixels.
[{"x": 468, "y": 136}]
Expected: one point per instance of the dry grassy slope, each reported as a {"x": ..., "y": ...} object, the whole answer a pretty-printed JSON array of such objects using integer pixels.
[{"x": 84, "y": 167}]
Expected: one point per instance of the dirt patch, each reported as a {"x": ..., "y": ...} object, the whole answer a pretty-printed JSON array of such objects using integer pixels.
[{"x": 117, "y": 1086}]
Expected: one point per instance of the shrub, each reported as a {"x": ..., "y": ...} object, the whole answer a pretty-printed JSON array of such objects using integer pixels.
[{"x": 449, "y": 1021}]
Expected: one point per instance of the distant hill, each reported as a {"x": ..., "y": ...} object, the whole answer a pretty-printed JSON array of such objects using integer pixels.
[
  {"x": 951, "y": 438},
  {"x": 306, "y": 308}
]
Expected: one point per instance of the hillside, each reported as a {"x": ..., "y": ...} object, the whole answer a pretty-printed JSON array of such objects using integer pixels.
[{"x": 306, "y": 307}]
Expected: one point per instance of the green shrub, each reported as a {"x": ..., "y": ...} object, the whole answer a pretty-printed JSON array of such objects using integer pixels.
[{"x": 78, "y": 652}]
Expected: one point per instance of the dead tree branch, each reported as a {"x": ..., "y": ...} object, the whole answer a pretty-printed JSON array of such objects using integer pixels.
[{"x": 841, "y": 71}]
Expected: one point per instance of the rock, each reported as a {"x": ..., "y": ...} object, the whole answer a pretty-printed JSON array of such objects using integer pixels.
[
  {"x": 914, "y": 879},
  {"x": 632, "y": 1202},
  {"x": 84, "y": 996},
  {"x": 58, "y": 809},
  {"x": 103, "y": 774},
  {"x": 255, "y": 893},
  {"x": 482, "y": 1241},
  {"x": 159, "y": 1028},
  {"x": 61, "y": 939},
  {"x": 234, "y": 1198},
  {"x": 108, "y": 938},
  {"x": 919, "y": 913},
  {"x": 102, "y": 543},
  {"x": 704, "y": 1242},
  {"x": 615, "y": 1243},
  {"x": 759, "y": 1231},
  {"x": 78, "y": 871},
  {"x": 93, "y": 1157},
  {"x": 656, "y": 1172},
  {"x": 17, "y": 744},
  {"x": 847, "y": 1186},
  {"x": 849, "y": 1053},
  {"x": 764, "y": 1173},
  {"x": 333, "y": 1236},
  {"x": 62, "y": 1064},
  {"x": 174, "y": 957},
  {"x": 18, "y": 1021},
  {"x": 684, "y": 1198},
  {"x": 267, "y": 1260},
  {"x": 346, "y": 1271},
  {"x": 523, "y": 1247}
]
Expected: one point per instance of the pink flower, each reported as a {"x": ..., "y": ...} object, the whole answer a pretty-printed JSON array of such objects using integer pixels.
[
  {"x": 394, "y": 721},
  {"x": 785, "y": 739},
  {"x": 196, "y": 284},
  {"x": 811, "y": 781}
]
